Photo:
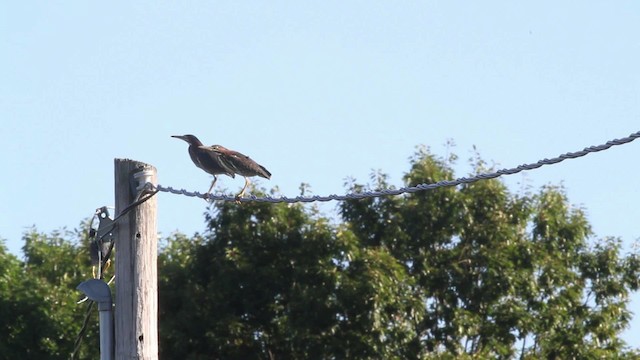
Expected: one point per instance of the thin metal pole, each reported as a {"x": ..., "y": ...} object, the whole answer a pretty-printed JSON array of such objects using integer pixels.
[
  {"x": 106, "y": 333},
  {"x": 98, "y": 291}
]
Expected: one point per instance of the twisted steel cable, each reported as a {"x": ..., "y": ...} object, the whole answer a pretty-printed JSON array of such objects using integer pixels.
[{"x": 409, "y": 189}]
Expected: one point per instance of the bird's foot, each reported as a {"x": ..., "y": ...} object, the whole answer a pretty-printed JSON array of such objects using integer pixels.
[{"x": 239, "y": 197}]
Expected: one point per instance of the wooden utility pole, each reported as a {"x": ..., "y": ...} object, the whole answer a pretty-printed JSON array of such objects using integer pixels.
[{"x": 136, "y": 247}]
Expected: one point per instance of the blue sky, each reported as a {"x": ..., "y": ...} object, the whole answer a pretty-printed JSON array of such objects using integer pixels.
[{"x": 316, "y": 93}]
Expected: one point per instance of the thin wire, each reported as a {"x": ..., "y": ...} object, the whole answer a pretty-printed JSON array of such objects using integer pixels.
[
  {"x": 85, "y": 323},
  {"x": 87, "y": 315},
  {"x": 410, "y": 189},
  {"x": 148, "y": 191},
  {"x": 151, "y": 190}
]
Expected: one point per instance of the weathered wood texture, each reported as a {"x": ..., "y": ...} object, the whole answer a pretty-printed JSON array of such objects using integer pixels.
[{"x": 136, "y": 298}]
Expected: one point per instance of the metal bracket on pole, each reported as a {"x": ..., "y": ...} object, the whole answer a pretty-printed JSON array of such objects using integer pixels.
[
  {"x": 99, "y": 291},
  {"x": 106, "y": 226},
  {"x": 104, "y": 238},
  {"x": 140, "y": 179}
]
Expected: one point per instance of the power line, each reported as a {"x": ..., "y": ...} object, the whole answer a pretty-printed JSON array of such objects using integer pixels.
[
  {"x": 410, "y": 189},
  {"x": 149, "y": 190}
]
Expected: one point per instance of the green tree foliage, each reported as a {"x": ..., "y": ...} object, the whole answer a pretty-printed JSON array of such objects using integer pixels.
[
  {"x": 38, "y": 298},
  {"x": 272, "y": 281},
  {"x": 464, "y": 272},
  {"x": 467, "y": 272}
]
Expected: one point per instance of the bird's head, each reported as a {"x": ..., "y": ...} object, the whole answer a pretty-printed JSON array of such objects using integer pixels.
[{"x": 191, "y": 139}]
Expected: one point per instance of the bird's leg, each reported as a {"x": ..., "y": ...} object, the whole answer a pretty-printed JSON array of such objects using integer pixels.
[
  {"x": 215, "y": 178},
  {"x": 246, "y": 183},
  {"x": 211, "y": 187}
]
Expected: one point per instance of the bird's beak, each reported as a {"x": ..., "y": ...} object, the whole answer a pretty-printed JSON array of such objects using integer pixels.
[{"x": 181, "y": 137}]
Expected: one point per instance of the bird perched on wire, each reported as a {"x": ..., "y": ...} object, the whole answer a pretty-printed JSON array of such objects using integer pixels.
[
  {"x": 240, "y": 164},
  {"x": 206, "y": 159}
]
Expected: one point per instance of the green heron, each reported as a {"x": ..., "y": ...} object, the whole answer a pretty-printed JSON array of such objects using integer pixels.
[
  {"x": 206, "y": 159},
  {"x": 240, "y": 164}
]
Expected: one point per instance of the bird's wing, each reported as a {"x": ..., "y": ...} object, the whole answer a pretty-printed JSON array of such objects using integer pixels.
[
  {"x": 223, "y": 164},
  {"x": 208, "y": 159},
  {"x": 243, "y": 164},
  {"x": 265, "y": 173},
  {"x": 240, "y": 163},
  {"x": 230, "y": 162}
]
